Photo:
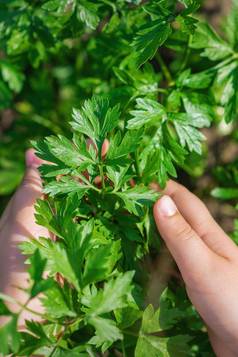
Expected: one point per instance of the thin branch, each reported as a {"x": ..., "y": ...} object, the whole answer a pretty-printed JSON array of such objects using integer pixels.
[{"x": 164, "y": 68}]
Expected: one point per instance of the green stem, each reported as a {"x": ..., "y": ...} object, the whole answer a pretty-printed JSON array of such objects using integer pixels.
[
  {"x": 164, "y": 68},
  {"x": 162, "y": 90},
  {"x": 102, "y": 175},
  {"x": 57, "y": 343},
  {"x": 123, "y": 349},
  {"x": 88, "y": 183},
  {"x": 137, "y": 166},
  {"x": 24, "y": 306},
  {"x": 94, "y": 188},
  {"x": 37, "y": 313},
  {"x": 185, "y": 59},
  {"x": 53, "y": 351}
]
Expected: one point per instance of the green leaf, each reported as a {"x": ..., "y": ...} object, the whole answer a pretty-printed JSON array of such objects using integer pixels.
[
  {"x": 79, "y": 351},
  {"x": 113, "y": 296},
  {"x": 163, "y": 347},
  {"x": 18, "y": 42},
  {"x": 231, "y": 25},
  {"x": 43, "y": 151},
  {"x": 61, "y": 261},
  {"x": 67, "y": 152},
  {"x": 118, "y": 175},
  {"x": 199, "y": 80},
  {"x": 100, "y": 262},
  {"x": 87, "y": 12},
  {"x": 37, "y": 330},
  {"x": 199, "y": 109},
  {"x": 229, "y": 98},
  {"x": 127, "y": 316},
  {"x": 122, "y": 146},
  {"x": 5, "y": 95},
  {"x": 213, "y": 46},
  {"x": 9, "y": 337},
  {"x": 51, "y": 5},
  {"x": 95, "y": 119},
  {"x": 57, "y": 302},
  {"x": 30, "y": 344},
  {"x": 147, "y": 111},
  {"x": 36, "y": 270},
  {"x": 187, "y": 23},
  {"x": 225, "y": 193},
  {"x": 61, "y": 7},
  {"x": 67, "y": 258},
  {"x": 137, "y": 196},
  {"x": 191, "y": 5},
  {"x": 160, "y": 156},
  {"x": 106, "y": 332},
  {"x": 4, "y": 311},
  {"x": 12, "y": 75},
  {"x": 157, "y": 346},
  {"x": 44, "y": 217},
  {"x": 149, "y": 38},
  {"x": 186, "y": 128},
  {"x": 37, "y": 266},
  {"x": 65, "y": 185}
]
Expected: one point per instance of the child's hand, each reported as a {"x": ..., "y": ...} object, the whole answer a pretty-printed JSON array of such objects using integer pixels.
[{"x": 208, "y": 261}]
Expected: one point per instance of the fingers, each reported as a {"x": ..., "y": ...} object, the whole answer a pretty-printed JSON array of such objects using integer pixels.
[
  {"x": 105, "y": 148},
  {"x": 31, "y": 159},
  {"x": 191, "y": 254},
  {"x": 197, "y": 215}
]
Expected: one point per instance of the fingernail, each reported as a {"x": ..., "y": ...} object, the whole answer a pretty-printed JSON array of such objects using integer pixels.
[
  {"x": 31, "y": 159},
  {"x": 166, "y": 206}
]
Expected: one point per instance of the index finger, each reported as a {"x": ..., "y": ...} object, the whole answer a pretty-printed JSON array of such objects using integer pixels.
[{"x": 197, "y": 215}]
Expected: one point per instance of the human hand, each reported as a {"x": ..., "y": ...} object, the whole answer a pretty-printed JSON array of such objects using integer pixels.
[
  {"x": 208, "y": 261},
  {"x": 16, "y": 225}
]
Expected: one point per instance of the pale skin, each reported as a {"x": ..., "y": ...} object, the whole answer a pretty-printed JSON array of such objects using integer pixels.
[{"x": 206, "y": 256}]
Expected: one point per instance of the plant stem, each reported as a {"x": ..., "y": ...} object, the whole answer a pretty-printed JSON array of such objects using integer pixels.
[
  {"x": 102, "y": 175},
  {"x": 94, "y": 188},
  {"x": 123, "y": 349},
  {"x": 88, "y": 183},
  {"x": 37, "y": 313},
  {"x": 57, "y": 343},
  {"x": 186, "y": 56},
  {"x": 164, "y": 68},
  {"x": 23, "y": 306},
  {"x": 137, "y": 167},
  {"x": 162, "y": 90}
]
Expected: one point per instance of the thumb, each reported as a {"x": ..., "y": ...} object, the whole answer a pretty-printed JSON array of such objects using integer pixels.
[
  {"x": 32, "y": 175},
  {"x": 31, "y": 186},
  {"x": 190, "y": 253}
]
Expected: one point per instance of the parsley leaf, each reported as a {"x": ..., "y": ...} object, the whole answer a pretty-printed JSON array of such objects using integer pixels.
[
  {"x": 214, "y": 47},
  {"x": 149, "y": 38}
]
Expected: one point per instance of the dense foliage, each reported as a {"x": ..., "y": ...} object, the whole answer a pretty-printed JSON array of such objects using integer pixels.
[{"x": 144, "y": 77}]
